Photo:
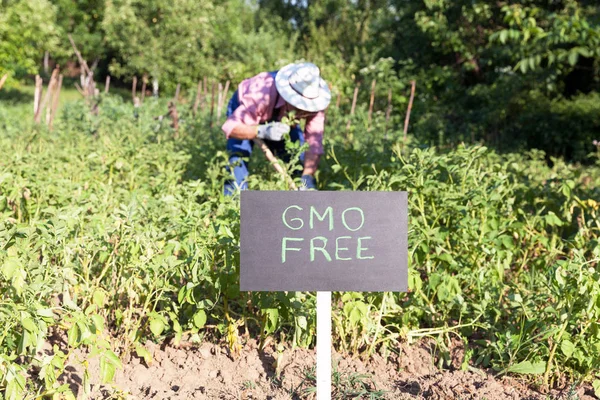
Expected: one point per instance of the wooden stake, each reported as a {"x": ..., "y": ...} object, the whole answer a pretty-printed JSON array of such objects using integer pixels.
[
  {"x": 212, "y": 103},
  {"x": 37, "y": 95},
  {"x": 80, "y": 90},
  {"x": 410, "y": 103},
  {"x": 4, "y": 78},
  {"x": 46, "y": 59},
  {"x": 90, "y": 89},
  {"x": 107, "y": 84},
  {"x": 174, "y": 117},
  {"x": 55, "y": 101},
  {"x": 38, "y": 116},
  {"x": 144, "y": 83},
  {"x": 388, "y": 111},
  {"x": 225, "y": 97},
  {"x": 219, "y": 101},
  {"x": 339, "y": 99},
  {"x": 52, "y": 91},
  {"x": 80, "y": 58},
  {"x": 353, "y": 105},
  {"x": 176, "y": 98},
  {"x": 133, "y": 88},
  {"x": 197, "y": 101},
  {"x": 371, "y": 104},
  {"x": 205, "y": 96}
]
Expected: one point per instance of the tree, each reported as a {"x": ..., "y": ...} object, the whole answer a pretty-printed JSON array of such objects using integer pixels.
[
  {"x": 27, "y": 29},
  {"x": 563, "y": 41}
]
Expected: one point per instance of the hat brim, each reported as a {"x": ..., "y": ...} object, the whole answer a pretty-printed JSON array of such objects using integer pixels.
[{"x": 282, "y": 82}]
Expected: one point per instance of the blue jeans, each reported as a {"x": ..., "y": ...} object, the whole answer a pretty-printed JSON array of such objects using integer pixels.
[{"x": 239, "y": 150}]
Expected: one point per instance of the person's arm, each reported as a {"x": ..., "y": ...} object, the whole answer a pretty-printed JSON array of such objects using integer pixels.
[
  {"x": 311, "y": 163},
  {"x": 243, "y": 131},
  {"x": 313, "y": 132}
]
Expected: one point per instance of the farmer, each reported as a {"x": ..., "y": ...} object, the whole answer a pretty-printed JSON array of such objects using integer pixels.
[{"x": 256, "y": 110}]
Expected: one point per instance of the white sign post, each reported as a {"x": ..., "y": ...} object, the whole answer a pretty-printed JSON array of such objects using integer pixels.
[{"x": 323, "y": 345}]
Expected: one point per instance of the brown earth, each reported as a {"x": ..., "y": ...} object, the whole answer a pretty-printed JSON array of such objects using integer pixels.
[{"x": 207, "y": 371}]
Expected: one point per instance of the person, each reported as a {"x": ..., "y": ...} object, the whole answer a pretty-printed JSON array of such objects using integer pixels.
[{"x": 256, "y": 110}]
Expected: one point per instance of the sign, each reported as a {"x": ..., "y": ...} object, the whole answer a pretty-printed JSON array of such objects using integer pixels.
[{"x": 323, "y": 241}]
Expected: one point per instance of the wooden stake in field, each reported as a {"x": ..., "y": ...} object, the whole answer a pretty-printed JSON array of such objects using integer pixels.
[
  {"x": 197, "y": 100},
  {"x": 107, "y": 84},
  {"x": 388, "y": 111},
  {"x": 371, "y": 104},
  {"x": 353, "y": 106},
  {"x": 55, "y": 101},
  {"x": 176, "y": 98},
  {"x": 46, "y": 99},
  {"x": 339, "y": 99},
  {"x": 225, "y": 97},
  {"x": 133, "y": 88},
  {"x": 212, "y": 103},
  {"x": 205, "y": 97},
  {"x": 4, "y": 78},
  {"x": 144, "y": 83},
  {"x": 174, "y": 117},
  {"x": 87, "y": 81},
  {"x": 46, "y": 61},
  {"x": 410, "y": 103},
  {"x": 88, "y": 87},
  {"x": 219, "y": 101},
  {"x": 37, "y": 95}
]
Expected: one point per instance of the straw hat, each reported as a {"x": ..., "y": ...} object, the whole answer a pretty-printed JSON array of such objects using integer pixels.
[{"x": 301, "y": 86}]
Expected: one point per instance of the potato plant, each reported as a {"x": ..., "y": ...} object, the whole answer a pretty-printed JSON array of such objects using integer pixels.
[{"x": 114, "y": 230}]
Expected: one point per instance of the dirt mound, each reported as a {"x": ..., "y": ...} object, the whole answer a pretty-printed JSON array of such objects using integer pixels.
[{"x": 207, "y": 371}]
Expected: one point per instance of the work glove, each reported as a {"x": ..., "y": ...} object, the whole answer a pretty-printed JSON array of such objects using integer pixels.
[
  {"x": 272, "y": 131},
  {"x": 308, "y": 183}
]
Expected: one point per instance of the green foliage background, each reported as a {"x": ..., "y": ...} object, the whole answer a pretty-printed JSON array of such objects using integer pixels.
[{"x": 509, "y": 74}]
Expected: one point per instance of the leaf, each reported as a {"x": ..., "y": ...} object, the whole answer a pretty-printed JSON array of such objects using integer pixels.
[
  {"x": 527, "y": 367},
  {"x": 272, "y": 315},
  {"x": 573, "y": 57},
  {"x": 200, "y": 319},
  {"x": 503, "y": 36},
  {"x": 567, "y": 347},
  {"x": 301, "y": 322},
  {"x": 99, "y": 297},
  {"x": 596, "y": 386},
  {"x": 156, "y": 326},
  {"x": 109, "y": 362},
  {"x": 336, "y": 168},
  {"x": 9, "y": 267},
  {"x": 522, "y": 65},
  {"x": 553, "y": 220},
  {"x": 175, "y": 321},
  {"x": 73, "y": 336},
  {"x": 45, "y": 313},
  {"x": 98, "y": 323},
  {"x": 29, "y": 324},
  {"x": 142, "y": 352},
  {"x": 181, "y": 295}
]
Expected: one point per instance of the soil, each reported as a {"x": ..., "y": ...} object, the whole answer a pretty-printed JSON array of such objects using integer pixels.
[{"x": 208, "y": 371}]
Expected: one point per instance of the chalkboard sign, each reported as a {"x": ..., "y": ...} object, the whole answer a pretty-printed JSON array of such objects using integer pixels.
[{"x": 323, "y": 241}]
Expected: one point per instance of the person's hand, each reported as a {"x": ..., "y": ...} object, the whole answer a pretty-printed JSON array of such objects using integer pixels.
[
  {"x": 308, "y": 183},
  {"x": 272, "y": 131}
]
